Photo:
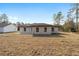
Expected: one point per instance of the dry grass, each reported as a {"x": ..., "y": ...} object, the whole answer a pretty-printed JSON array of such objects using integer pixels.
[{"x": 27, "y": 45}]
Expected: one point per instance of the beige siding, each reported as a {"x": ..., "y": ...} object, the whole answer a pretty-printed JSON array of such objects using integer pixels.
[
  {"x": 28, "y": 30},
  {"x": 32, "y": 30},
  {"x": 55, "y": 30},
  {"x": 41, "y": 30}
]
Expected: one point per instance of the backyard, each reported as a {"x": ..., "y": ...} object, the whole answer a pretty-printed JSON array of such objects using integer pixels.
[{"x": 15, "y": 44}]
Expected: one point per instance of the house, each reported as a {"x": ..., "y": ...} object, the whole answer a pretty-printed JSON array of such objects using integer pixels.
[
  {"x": 7, "y": 27},
  {"x": 38, "y": 28}
]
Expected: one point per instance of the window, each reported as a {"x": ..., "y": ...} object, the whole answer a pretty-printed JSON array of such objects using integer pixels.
[
  {"x": 37, "y": 29},
  {"x": 24, "y": 29},
  {"x": 45, "y": 29},
  {"x": 18, "y": 29},
  {"x": 52, "y": 29}
]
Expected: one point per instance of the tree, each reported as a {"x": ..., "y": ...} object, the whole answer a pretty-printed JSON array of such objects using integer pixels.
[
  {"x": 4, "y": 18},
  {"x": 69, "y": 24},
  {"x": 77, "y": 15},
  {"x": 22, "y": 23},
  {"x": 75, "y": 10},
  {"x": 57, "y": 18},
  {"x": 18, "y": 23}
]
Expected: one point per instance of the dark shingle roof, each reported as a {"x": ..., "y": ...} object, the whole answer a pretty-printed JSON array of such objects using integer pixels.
[
  {"x": 38, "y": 25},
  {"x": 41, "y": 25}
]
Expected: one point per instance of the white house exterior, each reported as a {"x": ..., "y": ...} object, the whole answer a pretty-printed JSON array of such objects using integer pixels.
[
  {"x": 7, "y": 28},
  {"x": 38, "y": 28},
  {"x": 1, "y": 29}
]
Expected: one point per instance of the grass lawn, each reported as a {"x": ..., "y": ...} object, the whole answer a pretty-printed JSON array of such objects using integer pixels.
[{"x": 28, "y": 45}]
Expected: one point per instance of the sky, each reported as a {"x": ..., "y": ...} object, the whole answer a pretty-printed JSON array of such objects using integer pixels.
[{"x": 33, "y": 12}]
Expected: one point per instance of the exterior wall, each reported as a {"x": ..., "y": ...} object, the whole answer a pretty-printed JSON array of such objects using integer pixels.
[
  {"x": 32, "y": 30},
  {"x": 41, "y": 30},
  {"x": 28, "y": 30},
  {"x": 1, "y": 29},
  {"x": 10, "y": 28},
  {"x": 55, "y": 30}
]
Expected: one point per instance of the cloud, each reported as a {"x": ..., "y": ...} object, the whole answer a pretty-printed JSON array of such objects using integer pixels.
[{"x": 15, "y": 19}]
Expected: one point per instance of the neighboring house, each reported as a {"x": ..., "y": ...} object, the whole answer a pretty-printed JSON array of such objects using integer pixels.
[
  {"x": 4, "y": 27},
  {"x": 38, "y": 28}
]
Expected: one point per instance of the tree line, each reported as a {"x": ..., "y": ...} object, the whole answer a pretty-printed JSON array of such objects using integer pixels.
[{"x": 70, "y": 25}]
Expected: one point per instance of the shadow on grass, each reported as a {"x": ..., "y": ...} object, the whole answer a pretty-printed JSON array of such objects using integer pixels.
[{"x": 50, "y": 35}]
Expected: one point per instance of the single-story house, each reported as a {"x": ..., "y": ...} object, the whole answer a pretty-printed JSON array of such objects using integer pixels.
[
  {"x": 38, "y": 28},
  {"x": 5, "y": 27}
]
